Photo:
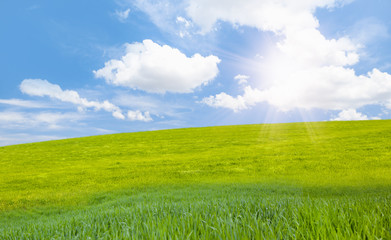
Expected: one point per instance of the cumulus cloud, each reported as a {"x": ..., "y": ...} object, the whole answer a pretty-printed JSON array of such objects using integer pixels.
[
  {"x": 248, "y": 99},
  {"x": 328, "y": 88},
  {"x": 139, "y": 116},
  {"x": 350, "y": 114},
  {"x": 158, "y": 69},
  {"x": 266, "y": 15},
  {"x": 305, "y": 69},
  {"x": 41, "y": 88}
]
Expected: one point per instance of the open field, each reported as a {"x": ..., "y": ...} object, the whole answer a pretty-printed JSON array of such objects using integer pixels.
[{"x": 296, "y": 180}]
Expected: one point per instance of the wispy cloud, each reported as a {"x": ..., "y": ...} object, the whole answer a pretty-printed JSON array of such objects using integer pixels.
[
  {"x": 369, "y": 30},
  {"x": 43, "y": 120},
  {"x": 24, "y": 103},
  {"x": 242, "y": 79},
  {"x": 39, "y": 87},
  {"x": 184, "y": 27},
  {"x": 163, "y": 13},
  {"x": 122, "y": 15},
  {"x": 152, "y": 104},
  {"x": 17, "y": 138}
]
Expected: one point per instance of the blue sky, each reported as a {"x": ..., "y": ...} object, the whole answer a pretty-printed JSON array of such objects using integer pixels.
[{"x": 80, "y": 68}]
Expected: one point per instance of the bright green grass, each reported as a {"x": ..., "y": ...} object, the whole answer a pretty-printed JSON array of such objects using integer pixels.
[
  {"x": 298, "y": 180},
  {"x": 216, "y": 212}
]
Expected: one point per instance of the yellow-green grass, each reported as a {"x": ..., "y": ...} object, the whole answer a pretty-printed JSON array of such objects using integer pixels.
[
  {"x": 326, "y": 154},
  {"x": 301, "y": 172}
]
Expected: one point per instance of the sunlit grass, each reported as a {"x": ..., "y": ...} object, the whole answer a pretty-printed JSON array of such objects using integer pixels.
[{"x": 313, "y": 179}]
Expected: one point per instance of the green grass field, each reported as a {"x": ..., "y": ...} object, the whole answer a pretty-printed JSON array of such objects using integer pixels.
[{"x": 325, "y": 180}]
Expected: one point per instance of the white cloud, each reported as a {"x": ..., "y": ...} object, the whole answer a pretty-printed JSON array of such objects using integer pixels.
[
  {"x": 122, "y": 15},
  {"x": 53, "y": 120},
  {"x": 22, "y": 127},
  {"x": 154, "y": 104},
  {"x": 18, "y": 138},
  {"x": 158, "y": 69},
  {"x": 302, "y": 43},
  {"x": 183, "y": 21},
  {"x": 143, "y": 102},
  {"x": 162, "y": 13},
  {"x": 305, "y": 69},
  {"x": 48, "y": 120},
  {"x": 369, "y": 30},
  {"x": 139, "y": 116},
  {"x": 23, "y": 103},
  {"x": 309, "y": 48},
  {"x": 242, "y": 79},
  {"x": 184, "y": 26},
  {"x": 350, "y": 114},
  {"x": 329, "y": 88},
  {"x": 168, "y": 15},
  {"x": 334, "y": 88},
  {"x": 266, "y": 15},
  {"x": 248, "y": 99},
  {"x": 271, "y": 15},
  {"x": 11, "y": 117},
  {"x": 38, "y": 87}
]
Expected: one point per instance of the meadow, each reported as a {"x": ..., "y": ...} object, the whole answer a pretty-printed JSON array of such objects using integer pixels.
[{"x": 322, "y": 180}]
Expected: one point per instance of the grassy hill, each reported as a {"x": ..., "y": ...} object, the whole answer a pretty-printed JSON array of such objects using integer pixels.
[{"x": 296, "y": 180}]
